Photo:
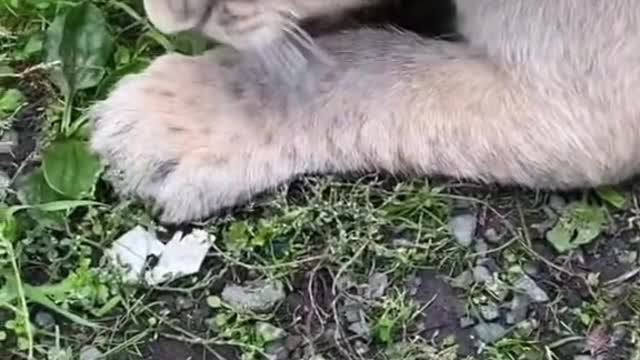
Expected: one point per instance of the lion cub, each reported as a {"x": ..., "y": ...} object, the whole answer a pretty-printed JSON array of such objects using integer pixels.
[{"x": 539, "y": 94}]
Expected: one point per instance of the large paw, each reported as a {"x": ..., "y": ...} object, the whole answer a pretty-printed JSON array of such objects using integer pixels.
[
  {"x": 172, "y": 16},
  {"x": 182, "y": 138},
  {"x": 240, "y": 23}
]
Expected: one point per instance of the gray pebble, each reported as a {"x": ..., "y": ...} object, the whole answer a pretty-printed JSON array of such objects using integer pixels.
[
  {"x": 582, "y": 357},
  {"x": 490, "y": 332},
  {"x": 481, "y": 247},
  {"x": 464, "y": 280},
  {"x": 360, "y": 328},
  {"x": 361, "y": 348},
  {"x": 481, "y": 274},
  {"x": 256, "y": 296},
  {"x": 491, "y": 235},
  {"x": 628, "y": 257},
  {"x": 463, "y": 228},
  {"x": 378, "y": 284},
  {"x": 44, "y": 320},
  {"x": 519, "y": 309},
  {"x": 90, "y": 353},
  {"x": 277, "y": 351},
  {"x": 489, "y": 312},
  {"x": 531, "y": 268},
  {"x": 355, "y": 315},
  {"x": 293, "y": 342},
  {"x": 5, "y": 184},
  {"x": 8, "y": 141},
  {"x": 467, "y": 322},
  {"x": 184, "y": 303},
  {"x": 270, "y": 332},
  {"x": 556, "y": 202},
  {"x": 528, "y": 286}
]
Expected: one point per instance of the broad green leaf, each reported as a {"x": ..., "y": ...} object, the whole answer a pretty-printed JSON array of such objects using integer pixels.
[
  {"x": 80, "y": 40},
  {"x": 8, "y": 291},
  {"x": 579, "y": 224},
  {"x": 560, "y": 237},
  {"x": 34, "y": 190},
  {"x": 7, "y": 75},
  {"x": 35, "y": 295},
  {"x": 65, "y": 205},
  {"x": 237, "y": 235},
  {"x": 612, "y": 196},
  {"x": 113, "y": 77},
  {"x": 10, "y": 101},
  {"x": 70, "y": 168},
  {"x": 8, "y": 226}
]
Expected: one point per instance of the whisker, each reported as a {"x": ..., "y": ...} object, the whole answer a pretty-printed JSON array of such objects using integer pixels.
[{"x": 306, "y": 41}]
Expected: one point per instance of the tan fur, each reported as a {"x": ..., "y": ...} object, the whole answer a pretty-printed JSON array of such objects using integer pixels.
[
  {"x": 543, "y": 94},
  {"x": 239, "y": 23}
]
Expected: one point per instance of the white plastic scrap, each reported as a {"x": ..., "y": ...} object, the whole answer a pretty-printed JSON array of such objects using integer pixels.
[{"x": 181, "y": 256}]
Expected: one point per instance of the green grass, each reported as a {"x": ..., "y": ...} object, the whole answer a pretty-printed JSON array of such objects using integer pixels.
[{"x": 324, "y": 238}]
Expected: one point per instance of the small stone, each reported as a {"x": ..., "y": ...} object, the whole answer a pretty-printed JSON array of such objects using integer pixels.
[
  {"x": 353, "y": 311},
  {"x": 528, "y": 286},
  {"x": 184, "y": 303},
  {"x": 464, "y": 280},
  {"x": 519, "y": 309},
  {"x": 467, "y": 322},
  {"x": 402, "y": 243},
  {"x": 255, "y": 296},
  {"x": 490, "y": 332},
  {"x": 489, "y": 312},
  {"x": 556, "y": 202},
  {"x": 44, "y": 320},
  {"x": 531, "y": 268},
  {"x": 269, "y": 332},
  {"x": 617, "y": 291},
  {"x": 90, "y": 353},
  {"x": 360, "y": 328},
  {"x": 277, "y": 351},
  {"x": 491, "y": 235},
  {"x": 525, "y": 328},
  {"x": 463, "y": 227},
  {"x": 481, "y": 247},
  {"x": 377, "y": 286},
  {"x": 481, "y": 274},
  {"x": 628, "y": 257},
  {"x": 413, "y": 284},
  {"x": 8, "y": 141},
  {"x": 345, "y": 282},
  {"x": 619, "y": 334},
  {"x": 5, "y": 184},
  {"x": 582, "y": 357},
  {"x": 355, "y": 315},
  {"x": 293, "y": 342},
  {"x": 361, "y": 348},
  {"x": 329, "y": 333}
]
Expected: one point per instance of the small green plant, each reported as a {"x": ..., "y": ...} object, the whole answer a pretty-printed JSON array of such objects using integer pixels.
[
  {"x": 579, "y": 224},
  {"x": 250, "y": 332},
  {"x": 15, "y": 295},
  {"x": 11, "y": 100},
  {"x": 392, "y": 317}
]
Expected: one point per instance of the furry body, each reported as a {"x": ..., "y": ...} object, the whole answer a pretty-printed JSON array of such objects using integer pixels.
[{"x": 539, "y": 94}]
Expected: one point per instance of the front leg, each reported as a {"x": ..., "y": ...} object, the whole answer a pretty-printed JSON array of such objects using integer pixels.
[
  {"x": 185, "y": 139},
  {"x": 195, "y": 134}
]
